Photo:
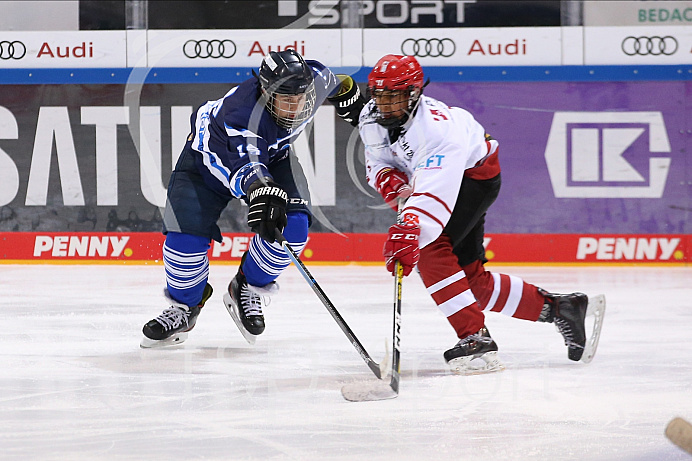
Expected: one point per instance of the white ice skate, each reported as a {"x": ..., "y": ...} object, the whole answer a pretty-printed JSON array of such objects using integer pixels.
[{"x": 596, "y": 309}]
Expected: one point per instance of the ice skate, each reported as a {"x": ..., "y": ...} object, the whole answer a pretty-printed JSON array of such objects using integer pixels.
[
  {"x": 245, "y": 303},
  {"x": 596, "y": 309},
  {"x": 568, "y": 312},
  {"x": 171, "y": 327},
  {"x": 476, "y": 346}
]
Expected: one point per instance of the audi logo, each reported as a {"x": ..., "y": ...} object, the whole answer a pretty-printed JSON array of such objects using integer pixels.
[
  {"x": 12, "y": 50},
  {"x": 209, "y": 49},
  {"x": 652, "y": 46},
  {"x": 428, "y": 47}
]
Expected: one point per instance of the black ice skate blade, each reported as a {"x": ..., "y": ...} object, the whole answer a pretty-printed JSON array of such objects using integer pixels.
[
  {"x": 368, "y": 391},
  {"x": 596, "y": 309},
  {"x": 233, "y": 311},
  {"x": 174, "y": 340}
]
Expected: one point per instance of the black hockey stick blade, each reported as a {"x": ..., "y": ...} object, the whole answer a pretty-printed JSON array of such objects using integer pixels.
[{"x": 679, "y": 431}]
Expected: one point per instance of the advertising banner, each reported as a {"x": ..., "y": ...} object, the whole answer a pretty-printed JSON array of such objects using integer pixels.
[
  {"x": 606, "y": 158},
  {"x": 146, "y": 247},
  {"x": 519, "y": 46},
  {"x": 444, "y": 47},
  {"x": 238, "y": 48},
  {"x": 637, "y": 13},
  {"x": 640, "y": 45},
  {"x": 277, "y": 14},
  {"x": 62, "y": 49}
]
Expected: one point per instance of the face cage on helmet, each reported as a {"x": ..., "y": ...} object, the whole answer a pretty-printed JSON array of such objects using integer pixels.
[
  {"x": 299, "y": 117},
  {"x": 404, "y": 100}
]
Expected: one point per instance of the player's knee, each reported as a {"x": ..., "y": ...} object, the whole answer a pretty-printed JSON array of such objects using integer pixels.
[
  {"x": 296, "y": 231},
  {"x": 186, "y": 243},
  {"x": 474, "y": 270}
]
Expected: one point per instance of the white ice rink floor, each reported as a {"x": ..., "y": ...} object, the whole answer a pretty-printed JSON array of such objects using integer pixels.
[{"x": 75, "y": 384}]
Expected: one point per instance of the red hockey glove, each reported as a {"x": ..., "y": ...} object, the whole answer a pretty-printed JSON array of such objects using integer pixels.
[
  {"x": 402, "y": 245},
  {"x": 392, "y": 184}
]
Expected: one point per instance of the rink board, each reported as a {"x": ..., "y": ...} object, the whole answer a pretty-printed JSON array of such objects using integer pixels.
[{"x": 143, "y": 247}]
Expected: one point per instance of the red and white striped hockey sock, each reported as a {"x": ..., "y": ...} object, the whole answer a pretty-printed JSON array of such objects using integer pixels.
[
  {"x": 449, "y": 287},
  {"x": 506, "y": 294}
]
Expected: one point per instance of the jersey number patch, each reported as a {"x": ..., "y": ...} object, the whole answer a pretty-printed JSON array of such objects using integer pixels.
[{"x": 437, "y": 115}]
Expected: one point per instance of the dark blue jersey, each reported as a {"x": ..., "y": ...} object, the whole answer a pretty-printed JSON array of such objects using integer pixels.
[{"x": 237, "y": 139}]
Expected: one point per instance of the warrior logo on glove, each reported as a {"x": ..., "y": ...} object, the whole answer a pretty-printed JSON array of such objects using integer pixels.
[{"x": 267, "y": 209}]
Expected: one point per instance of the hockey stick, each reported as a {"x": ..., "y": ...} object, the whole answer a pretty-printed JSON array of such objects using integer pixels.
[
  {"x": 679, "y": 431},
  {"x": 396, "y": 353},
  {"x": 368, "y": 391},
  {"x": 377, "y": 368}
]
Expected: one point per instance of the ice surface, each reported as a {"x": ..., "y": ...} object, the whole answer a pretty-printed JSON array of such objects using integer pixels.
[{"x": 76, "y": 385}]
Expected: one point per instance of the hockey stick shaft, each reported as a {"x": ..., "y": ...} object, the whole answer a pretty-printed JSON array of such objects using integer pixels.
[
  {"x": 396, "y": 354},
  {"x": 374, "y": 366},
  {"x": 398, "y": 282}
]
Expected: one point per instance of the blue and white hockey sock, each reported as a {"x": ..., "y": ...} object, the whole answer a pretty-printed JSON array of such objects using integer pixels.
[
  {"x": 266, "y": 261},
  {"x": 187, "y": 266}
]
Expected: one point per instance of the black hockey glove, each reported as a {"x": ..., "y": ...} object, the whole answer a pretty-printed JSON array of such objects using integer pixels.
[
  {"x": 267, "y": 213},
  {"x": 348, "y": 100}
]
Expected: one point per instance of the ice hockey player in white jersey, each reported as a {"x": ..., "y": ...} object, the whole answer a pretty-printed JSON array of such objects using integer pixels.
[{"x": 442, "y": 159}]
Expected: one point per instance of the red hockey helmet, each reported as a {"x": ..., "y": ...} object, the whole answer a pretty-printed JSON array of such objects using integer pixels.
[{"x": 395, "y": 83}]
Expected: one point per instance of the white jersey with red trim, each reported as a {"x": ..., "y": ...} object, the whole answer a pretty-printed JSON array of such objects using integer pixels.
[{"x": 434, "y": 149}]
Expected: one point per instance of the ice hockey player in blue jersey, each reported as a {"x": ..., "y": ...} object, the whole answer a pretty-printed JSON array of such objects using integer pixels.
[{"x": 240, "y": 148}]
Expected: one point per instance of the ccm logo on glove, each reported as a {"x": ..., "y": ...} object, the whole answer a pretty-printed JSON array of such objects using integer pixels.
[
  {"x": 403, "y": 236},
  {"x": 402, "y": 245}
]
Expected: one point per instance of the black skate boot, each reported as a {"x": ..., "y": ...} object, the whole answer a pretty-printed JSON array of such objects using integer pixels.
[
  {"x": 172, "y": 325},
  {"x": 568, "y": 313},
  {"x": 476, "y": 346},
  {"x": 245, "y": 303}
]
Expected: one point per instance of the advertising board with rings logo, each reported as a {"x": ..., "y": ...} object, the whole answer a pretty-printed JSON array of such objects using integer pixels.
[
  {"x": 654, "y": 45},
  {"x": 638, "y": 45},
  {"x": 518, "y": 46},
  {"x": 238, "y": 48},
  {"x": 62, "y": 49},
  {"x": 14, "y": 49}
]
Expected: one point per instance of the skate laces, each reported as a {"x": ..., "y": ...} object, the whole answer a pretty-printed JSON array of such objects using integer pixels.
[
  {"x": 251, "y": 301},
  {"x": 476, "y": 337},
  {"x": 172, "y": 317},
  {"x": 566, "y": 332}
]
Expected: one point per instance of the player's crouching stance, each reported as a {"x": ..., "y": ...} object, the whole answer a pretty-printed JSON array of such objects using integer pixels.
[
  {"x": 240, "y": 147},
  {"x": 413, "y": 141}
]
